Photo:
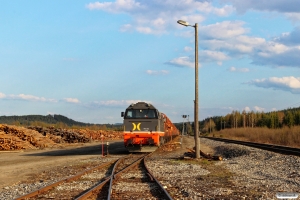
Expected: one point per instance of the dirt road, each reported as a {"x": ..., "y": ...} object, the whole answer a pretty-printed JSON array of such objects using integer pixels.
[{"x": 19, "y": 166}]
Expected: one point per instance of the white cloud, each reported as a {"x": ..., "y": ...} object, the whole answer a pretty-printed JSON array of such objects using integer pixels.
[
  {"x": 71, "y": 100},
  {"x": 115, "y": 7},
  {"x": 212, "y": 56},
  {"x": 160, "y": 72},
  {"x": 272, "y": 53},
  {"x": 191, "y": 19},
  {"x": 294, "y": 17},
  {"x": 187, "y": 49},
  {"x": 126, "y": 27},
  {"x": 182, "y": 62},
  {"x": 233, "y": 69},
  {"x": 281, "y": 6},
  {"x": 290, "y": 38},
  {"x": 247, "y": 109},
  {"x": 2, "y": 96},
  {"x": 116, "y": 102},
  {"x": 291, "y": 84},
  {"x": 155, "y": 17},
  {"x": 259, "y": 109},
  {"x": 27, "y": 97},
  {"x": 222, "y": 30},
  {"x": 227, "y": 37}
]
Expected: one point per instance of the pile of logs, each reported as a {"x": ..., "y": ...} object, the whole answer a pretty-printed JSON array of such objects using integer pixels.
[
  {"x": 77, "y": 135},
  {"x": 16, "y": 138},
  {"x": 97, "y": 135},
  {"x": 62, "y": 135},
  {"x": 192, "y": 154},
  {"x": 13, "y": 143}
]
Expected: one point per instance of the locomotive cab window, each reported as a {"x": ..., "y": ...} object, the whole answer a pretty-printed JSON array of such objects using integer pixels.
[{"x": 141, "y": 114}]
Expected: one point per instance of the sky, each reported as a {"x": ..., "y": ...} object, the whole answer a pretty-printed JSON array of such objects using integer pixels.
[{"x": 89, "y": 60}]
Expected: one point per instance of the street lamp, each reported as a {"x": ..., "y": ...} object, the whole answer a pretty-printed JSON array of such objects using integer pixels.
[{"x": 196, "y": 133}]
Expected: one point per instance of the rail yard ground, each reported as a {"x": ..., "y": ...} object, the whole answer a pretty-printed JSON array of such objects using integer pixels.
[{"x": 245, "y": 173}]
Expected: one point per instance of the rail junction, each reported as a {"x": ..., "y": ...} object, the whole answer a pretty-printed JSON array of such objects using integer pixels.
[{"x": 103, "y": 181}]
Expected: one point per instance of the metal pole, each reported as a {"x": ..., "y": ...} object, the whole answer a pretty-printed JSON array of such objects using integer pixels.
[
  {"x": 182, "y": 126},
  {"x": 197, "y": 141},
  {"x": 102, "y": 147},
  {"x": 187, "y": 132},
  {"x": 107, "y": 143}
]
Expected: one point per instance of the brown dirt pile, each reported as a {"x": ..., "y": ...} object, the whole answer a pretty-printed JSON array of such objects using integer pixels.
[{"x": 17, "y": 138}]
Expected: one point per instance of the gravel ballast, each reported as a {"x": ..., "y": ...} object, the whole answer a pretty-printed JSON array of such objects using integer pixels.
[
  {"x": 252, "y": 173},
  {"x": 258, "y": 168},
  {"x": 244, "y": 173}
]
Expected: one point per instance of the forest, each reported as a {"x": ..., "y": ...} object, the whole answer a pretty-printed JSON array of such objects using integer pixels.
[
  {"x": 273, "y": 120},
  {"x": 56, "y": 121}
]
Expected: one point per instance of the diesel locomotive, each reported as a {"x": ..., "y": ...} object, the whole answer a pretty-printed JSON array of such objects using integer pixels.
[{"x": 145, "y": 128}]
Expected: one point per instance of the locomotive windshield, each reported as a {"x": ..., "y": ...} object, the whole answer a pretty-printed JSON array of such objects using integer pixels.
[{"x": 141, "y": 114}]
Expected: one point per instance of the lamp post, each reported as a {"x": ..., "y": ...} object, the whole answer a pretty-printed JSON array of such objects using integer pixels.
[
  {"x": 196, "y": 133},
  {"x": 182, "y": 132}
]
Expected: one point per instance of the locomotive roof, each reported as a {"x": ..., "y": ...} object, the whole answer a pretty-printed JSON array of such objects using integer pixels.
[{"x": 141, "y": 105}]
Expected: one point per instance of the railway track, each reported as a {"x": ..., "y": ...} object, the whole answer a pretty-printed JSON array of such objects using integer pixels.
[
  {"x": 136, "y": 182},
  {"x": 103, "y": 182},
  {"x": 269, "y": 147}
]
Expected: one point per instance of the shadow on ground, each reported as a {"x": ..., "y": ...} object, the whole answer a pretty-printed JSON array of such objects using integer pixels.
[{"x": 113, "y": 148}]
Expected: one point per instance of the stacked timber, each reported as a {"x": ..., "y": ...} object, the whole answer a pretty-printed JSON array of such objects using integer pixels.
[
  {"x": 61, "y": 135},
  {"x": 77, "y": 135},
  {"x": 16, "y": 138},
  {"x": 97, "y": 135}
]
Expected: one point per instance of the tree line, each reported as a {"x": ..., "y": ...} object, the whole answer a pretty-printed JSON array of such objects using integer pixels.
[
  {"x": 276, "y": 119},
  {"x": 56, "y": 121},
  {"x": 273, "y": 120}
]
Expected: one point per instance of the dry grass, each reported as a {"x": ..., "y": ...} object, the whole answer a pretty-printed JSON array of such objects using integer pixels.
[{"x": 285, "y": 136}]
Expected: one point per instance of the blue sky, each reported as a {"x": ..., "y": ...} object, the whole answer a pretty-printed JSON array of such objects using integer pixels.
[{"x": 88, "y": 60}]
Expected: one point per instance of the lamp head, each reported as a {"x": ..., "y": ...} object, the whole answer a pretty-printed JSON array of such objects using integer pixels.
[{"x": 184, "y": 23}]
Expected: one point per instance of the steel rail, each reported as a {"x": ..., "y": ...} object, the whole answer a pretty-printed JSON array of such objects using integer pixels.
[
  {"x": 114, "y": 176},
  {"x": 149, "y": 173},
  {"x": 110, "y": 178},
  {"x": 98, "y": 186},
  {"x": 153, "y": 178},
  {"x": 269, "y": 147},
  {"x": 71, "y": 178}
]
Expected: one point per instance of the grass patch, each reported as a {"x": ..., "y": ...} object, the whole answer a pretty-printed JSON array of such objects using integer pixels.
[{"x": 285, "y": 136}]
